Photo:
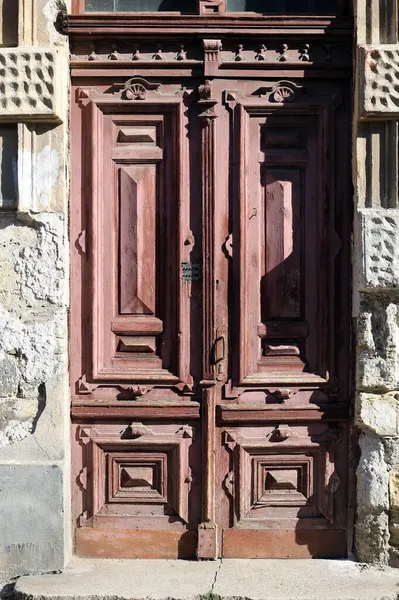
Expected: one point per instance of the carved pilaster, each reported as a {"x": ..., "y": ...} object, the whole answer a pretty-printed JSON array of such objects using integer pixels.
[
  {"x": 207, "y": 116},
  {"x": 207, "y": 531},
  {"x": 212, "y": 50}
]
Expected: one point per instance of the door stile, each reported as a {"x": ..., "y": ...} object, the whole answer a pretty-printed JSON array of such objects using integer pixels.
[{"x": 207, "y": 532}]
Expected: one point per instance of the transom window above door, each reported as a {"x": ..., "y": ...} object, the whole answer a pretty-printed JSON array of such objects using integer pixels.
[
  {"x": 283, "y": 6},
  {"x": 183, "y": 6},
  {"x": 293, "y": 7}
]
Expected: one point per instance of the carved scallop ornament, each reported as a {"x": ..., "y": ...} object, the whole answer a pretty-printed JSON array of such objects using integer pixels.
[{"x": 379, "y": 90}]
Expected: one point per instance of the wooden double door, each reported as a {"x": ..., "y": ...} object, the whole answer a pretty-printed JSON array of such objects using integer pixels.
[{"x": 210, "y": 229}]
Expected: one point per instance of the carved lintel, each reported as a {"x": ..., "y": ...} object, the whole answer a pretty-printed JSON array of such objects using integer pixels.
[
  {"x": 282, "y": 433},
  {"x": 212, "y": 49},
  {"x": 135, "y": 430},
  {"x": 210, "y": 7},
  {"x": 136, "y": 88},
  {"x": 280, "y": 92},
  {"x": 283, "y": 394}
]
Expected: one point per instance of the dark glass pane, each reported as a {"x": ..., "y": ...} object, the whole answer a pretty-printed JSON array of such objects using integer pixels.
[
  {"x": 283, "y": 6},
  {"x": 99, "y": 5},
  {"x": 185, "y": 6}
]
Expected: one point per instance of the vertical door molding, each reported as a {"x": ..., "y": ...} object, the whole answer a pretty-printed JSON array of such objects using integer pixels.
[
  {"x": 281, "y": 320},
  {"x": 207, "y": 534},
  {"x": 139, "y": 133}
]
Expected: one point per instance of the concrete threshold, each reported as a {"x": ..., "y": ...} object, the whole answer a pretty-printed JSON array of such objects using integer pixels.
[{"x": 94, "y": 579}]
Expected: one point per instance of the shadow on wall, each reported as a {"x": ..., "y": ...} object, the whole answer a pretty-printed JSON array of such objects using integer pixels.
[{"x": 9, "y": 22}]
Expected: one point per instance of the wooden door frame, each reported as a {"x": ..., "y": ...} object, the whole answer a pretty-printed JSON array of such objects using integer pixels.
[{"x": 84, "y": 30}]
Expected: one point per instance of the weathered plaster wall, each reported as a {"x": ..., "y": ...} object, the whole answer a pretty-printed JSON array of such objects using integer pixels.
[
  {"x": 34, "y": 394},
  {"x": 376, "y": 279}
]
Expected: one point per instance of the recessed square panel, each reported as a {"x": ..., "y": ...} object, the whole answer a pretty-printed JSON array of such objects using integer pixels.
[
  {"x": 140, "y": 477},
  {"x": 281, "y": 481}
]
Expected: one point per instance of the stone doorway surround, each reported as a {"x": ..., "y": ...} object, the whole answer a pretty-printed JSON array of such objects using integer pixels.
[
  {"x": 376, "y": 279},
  {"x": 34, "y": 395}
]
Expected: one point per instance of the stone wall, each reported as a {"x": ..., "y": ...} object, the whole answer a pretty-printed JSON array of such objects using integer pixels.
[
  {"x": 34, "y": 393},
  {"x": 376, "y": 279}
]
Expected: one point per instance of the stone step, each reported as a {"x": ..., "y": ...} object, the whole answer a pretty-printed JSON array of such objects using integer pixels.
[{"x": 229, "y": 579}]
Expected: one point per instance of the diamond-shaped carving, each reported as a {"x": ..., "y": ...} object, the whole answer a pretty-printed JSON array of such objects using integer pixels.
[
  {"x": 278, "y": 481},
  {"x": 140, "y": 476},
  {"x": 283, "y": 480},
  {"x": 136, "y": 477}
]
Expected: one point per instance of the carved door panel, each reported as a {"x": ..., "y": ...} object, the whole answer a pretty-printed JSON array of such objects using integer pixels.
[
  {"x": 282, "y": 463},
  {"x": 210, "y": 230}
]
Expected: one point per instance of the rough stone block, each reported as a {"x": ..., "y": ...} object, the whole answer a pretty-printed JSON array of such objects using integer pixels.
[
  {"x": 32, "y": 536},
  {"x": 379, "y": 413},
  {"x": 372, "y": 476},
  {"x": 394, "y": 495},
  {"x": 378, "y": 76},
  {"x": 30, "y": 84},
  {"x": 379, "y": 235},
  {"x": 372, "y": 539},
  {"x": 378, "y": 343}
]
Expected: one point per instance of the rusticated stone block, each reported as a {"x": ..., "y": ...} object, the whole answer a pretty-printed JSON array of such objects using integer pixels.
[
  {"x": 394, "y": 497},
  {"x": 379, "y": 232},
  {"x": 379, "y": 70},
  {"x": 378, "y": 412},
  {"x": 377, "y": 351},
  {"x": 29, "y": 85}
]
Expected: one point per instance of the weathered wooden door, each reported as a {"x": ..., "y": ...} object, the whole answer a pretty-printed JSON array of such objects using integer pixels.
[{"x": 210, "y": 229}]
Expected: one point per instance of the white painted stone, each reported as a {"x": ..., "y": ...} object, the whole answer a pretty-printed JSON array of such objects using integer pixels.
[
  {"x": 379, "y": 413},
  {"x": 379, "y": 93},
  {"x": 42, "y": 266},
  {"x": 377, "y": 344},
  {"x": 380, "y": 248},
  {"x": 30, "y": 84},
  {"x": 372, "y": 476}
]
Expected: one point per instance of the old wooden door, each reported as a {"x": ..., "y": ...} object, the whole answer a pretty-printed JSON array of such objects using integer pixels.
[{"x": 210, "y": 228}]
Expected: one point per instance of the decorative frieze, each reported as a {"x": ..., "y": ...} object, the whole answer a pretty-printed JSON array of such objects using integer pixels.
[
  {"x": 379, "y": 234},
  {"x": 30, "y": 88},
  {"x": 379, "y": 95}
]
